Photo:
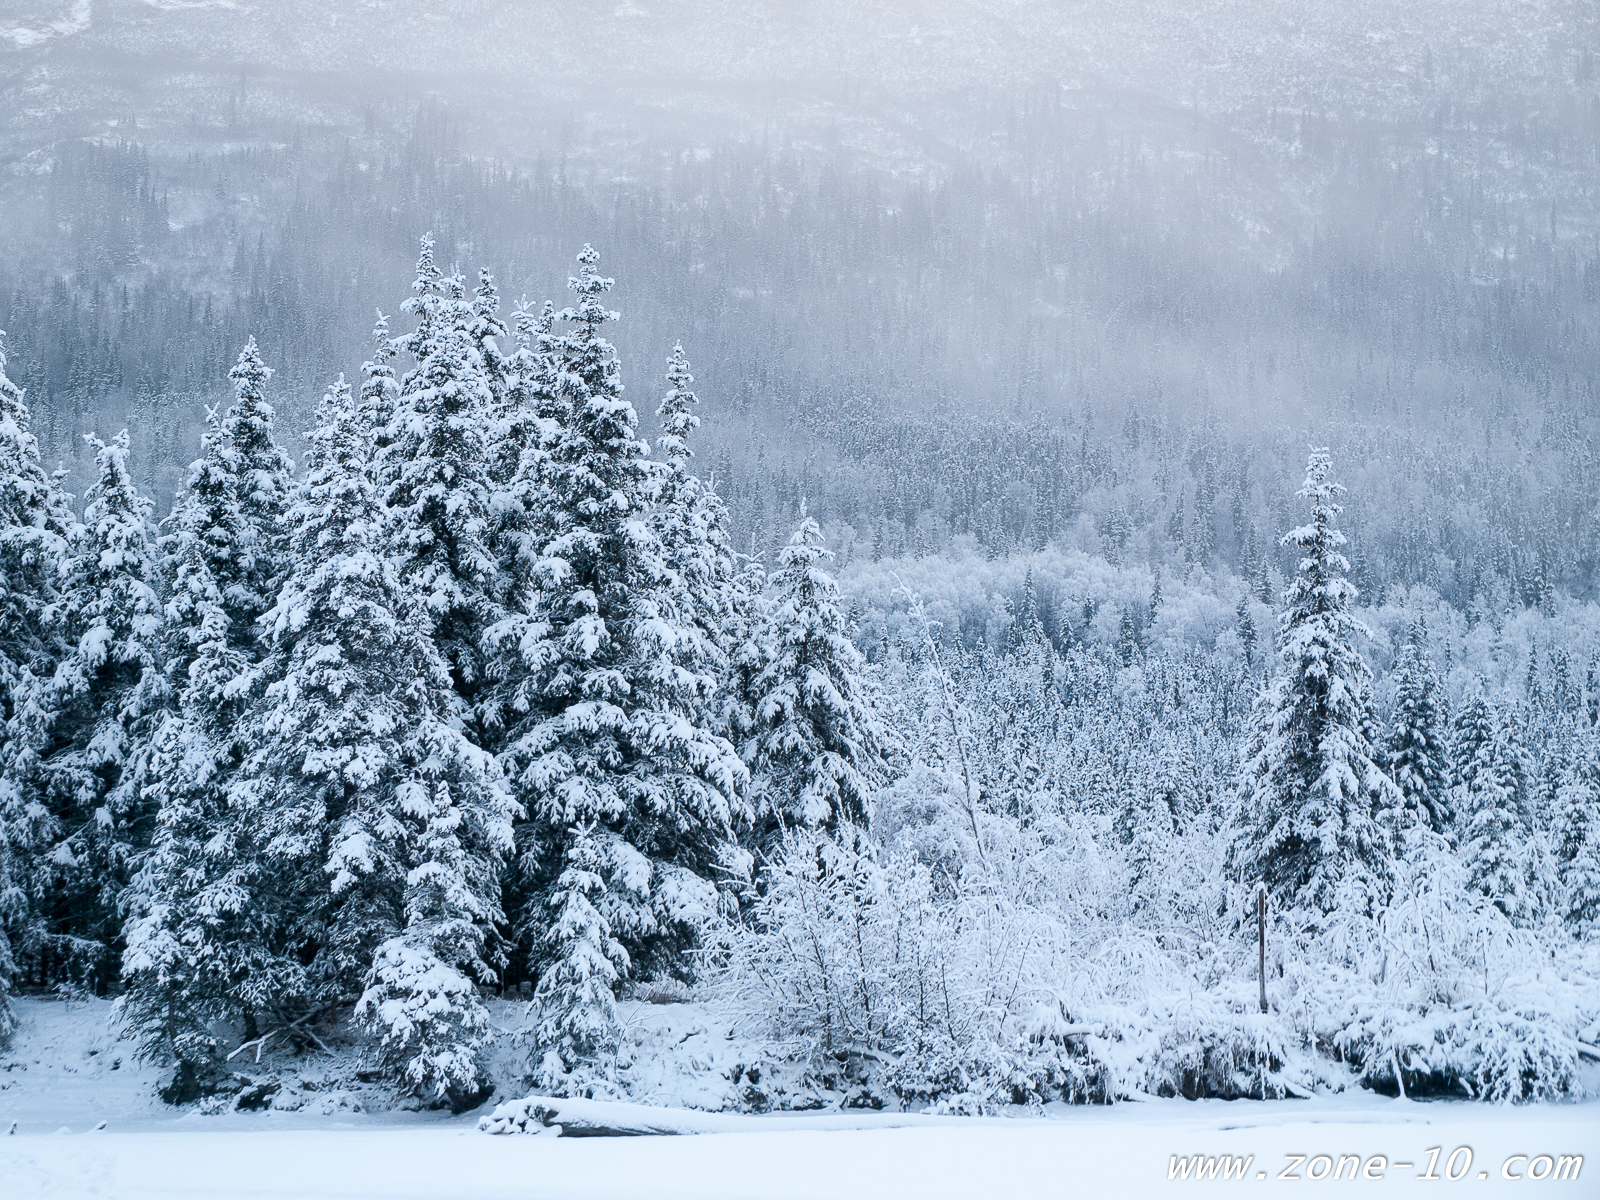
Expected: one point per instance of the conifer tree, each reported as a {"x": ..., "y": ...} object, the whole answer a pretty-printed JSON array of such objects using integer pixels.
[
  {"x": 1575, "y": 830},
  {"x": 195, "y": 938},
  {"x": 1472, "y": 730},
  {"x": 814, "y": 754},
  {"x": 612, "y": 742},
  {"x": 525, "y": 424},
  {"x": 83, "y": 735},
  {"x": 380, "y": 391},
  {"x": 381, "y": 829},
  {"x": 1026, "y": 632},
  {"x": 36, "y": 524},
  {"x": 265, "y": 474},
  {"x": 435, "y": 471},
  {"x": 199, "y": 941},
  {"x": 487, "y": 331},
  {"x": 1491, "y": 799},
  {"x": 578, "y": 1017},
  {"x": 1415, "y": 753},
  {"x": 1311, "y": 786},
  {"x": 1246, "y": 626},
  {"x": 691, "y": 524}
]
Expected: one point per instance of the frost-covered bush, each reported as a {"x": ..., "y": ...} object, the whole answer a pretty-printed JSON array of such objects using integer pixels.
[
  {"x": 1438, "y": 991},
  {"x": 959, "y": 991},
  {"x": 1018, "y": 981}
]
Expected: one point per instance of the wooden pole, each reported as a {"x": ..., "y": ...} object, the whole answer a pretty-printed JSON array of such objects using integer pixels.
[{"x": 1261, "y": 933}]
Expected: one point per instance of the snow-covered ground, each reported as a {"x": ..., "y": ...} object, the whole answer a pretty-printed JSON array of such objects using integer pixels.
[
  {"x": 67, "y": 1073},
  {"x": 1124, "y": 1151}
]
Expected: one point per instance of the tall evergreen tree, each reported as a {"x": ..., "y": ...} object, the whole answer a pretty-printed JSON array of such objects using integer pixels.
[
  {"x": 1575, "y": 829},
  {"x": 435, "y": 471},
  {"x": 815, "y": 751},
  {"x": 611, "y": 743},
  {"x": 1491, "y": 798},
  {"x": 1415, "y": 753},
  {"x": 36, "y": 525},
  {"x": 84, "y": 733},
  {"x": 199, "y": 945},
  {"x": 1311, "y": 786},
  {"x": 381, "y": 828},
  {"x": 265, "y": 474}
]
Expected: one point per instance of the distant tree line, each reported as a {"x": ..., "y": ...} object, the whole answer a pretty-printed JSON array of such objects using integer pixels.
[{"x": 1057, "y": 341}]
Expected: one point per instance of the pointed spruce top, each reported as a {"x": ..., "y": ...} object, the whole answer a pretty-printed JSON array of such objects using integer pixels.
[
  {"x": 428, "y": 274},
  {"x": 589, "y": 285},
  {"x": 677, "y": 410},
  {"x": 1320, "y": 587},
  {"x": 264, "y": 466}
]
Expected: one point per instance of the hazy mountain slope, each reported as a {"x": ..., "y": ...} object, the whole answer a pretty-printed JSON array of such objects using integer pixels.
[{"x": 1375, "y": 53}]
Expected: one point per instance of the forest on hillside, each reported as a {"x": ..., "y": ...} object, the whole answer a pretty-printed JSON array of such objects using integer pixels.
[{"x": 1078, "y": 339}]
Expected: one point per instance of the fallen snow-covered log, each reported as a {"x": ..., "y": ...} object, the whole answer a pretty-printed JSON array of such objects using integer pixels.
[{"x": 553, "y": 1116}]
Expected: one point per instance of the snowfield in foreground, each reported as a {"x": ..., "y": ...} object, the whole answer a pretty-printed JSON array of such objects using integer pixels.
[
  {"x": 1125, "y": 1151},
  {"x": 67, "y": 1073}
]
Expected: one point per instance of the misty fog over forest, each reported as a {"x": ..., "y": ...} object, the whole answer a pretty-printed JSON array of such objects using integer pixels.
[
  {"x": 944, "y": 278},
  {"x": 1138, "y": 452}
]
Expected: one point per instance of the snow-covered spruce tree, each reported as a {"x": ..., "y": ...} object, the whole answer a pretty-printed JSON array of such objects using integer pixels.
[
  {"x": 265, "y": 472},
  {"x": 691, "y": 524},
  {"x": 1310, "y": 787},
  {"x": 1471, "y": 731},
  {"x": 36, "y": 523},
  {"x": 1415, "y": 753},
  {"x": 84, "y": 734},
  {"x": 609, "y": 743},
  {"x": 524, "y": 424},
  {"x": 487, "y": 330},
  {"x": 381, "y": 829},
  {"x": 195, "y": 939},
  {"x": 1575, "y": 830},
  {"x": 577, "y": 994},
  {"x": 814, "y": 753},
  {"x": 435, "y": 471},
  {"x": 380, "y": 391},
  {"x": 1491, "y": 799},
  {"x": 199, "y": 948}
]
